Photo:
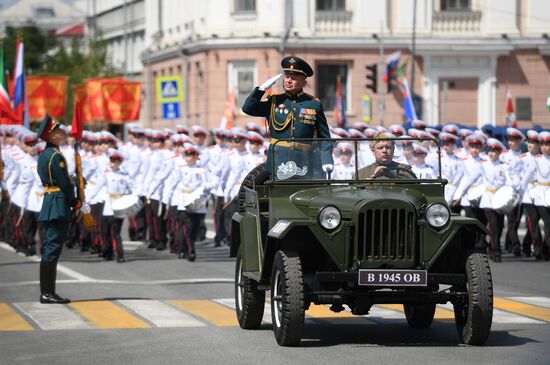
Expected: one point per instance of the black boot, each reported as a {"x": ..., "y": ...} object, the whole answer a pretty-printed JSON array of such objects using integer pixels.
[{"x": 48, "y": 272}]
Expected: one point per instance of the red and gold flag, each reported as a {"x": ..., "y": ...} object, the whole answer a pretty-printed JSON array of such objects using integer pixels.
[
  {"x": 81, "y": 96},
  {"x": 46, "y": 94},
  {"x": 95, "y": 96},
  {"x": 122, "y": 100}
]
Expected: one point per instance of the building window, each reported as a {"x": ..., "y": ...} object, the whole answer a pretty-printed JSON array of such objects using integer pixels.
[
  {"x": 456, "y": 5},
  {"x": 44, "y": 12},
  {"x": 331, "y": 5},
  {"x": 245, "y": 6},
  {"x": 241, "y": 79},
  {"x": 523, "y": 108},
  {"x": 327, "y": 76}
]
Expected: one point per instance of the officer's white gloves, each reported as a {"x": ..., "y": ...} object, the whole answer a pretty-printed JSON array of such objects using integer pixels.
[
  {"x": 267, "y": 85},
  {"x": 85, "y": 208},
  {"x": 328, "y": 167}
]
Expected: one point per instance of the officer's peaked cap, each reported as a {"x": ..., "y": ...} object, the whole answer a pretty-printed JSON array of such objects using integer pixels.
[{"x": 296, "y": 64}]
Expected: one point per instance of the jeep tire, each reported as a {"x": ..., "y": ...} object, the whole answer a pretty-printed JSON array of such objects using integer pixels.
[
  {"x": 249, "y": 300},
  {"x": 474, "y": 316},
  {"x": 419, "y": 315},
  {"x": 287, "y": 298}
]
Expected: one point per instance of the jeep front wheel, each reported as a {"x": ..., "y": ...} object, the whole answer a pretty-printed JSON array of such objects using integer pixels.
[
  {"x": 249, "y": 300},
  {"x": 474, "y": 316},
  {"x": 287, "y": 298},
  {"x": 419, "y": 315}
]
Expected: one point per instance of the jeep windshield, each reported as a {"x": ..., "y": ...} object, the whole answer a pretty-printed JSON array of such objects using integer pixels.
[{"x": 346, "y": 160}]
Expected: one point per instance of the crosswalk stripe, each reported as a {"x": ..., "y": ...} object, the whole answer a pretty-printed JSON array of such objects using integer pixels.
[
  {"x": 523, "y": 309},
  {"x": 52, "y": 317},
  {"x": 538, "y": 301},
  {"x": 10, "y": 320},
  {"x": 107, "y": 315},
  {"x": 212, "y": 312},
  {"x": 161, "y": 314},
  {"x": 230, "y": 302},
  {"x": 502, "y": 317}
]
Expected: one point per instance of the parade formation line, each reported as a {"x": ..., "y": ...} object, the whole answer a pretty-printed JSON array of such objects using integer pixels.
[{"x": 143, "y": 314}]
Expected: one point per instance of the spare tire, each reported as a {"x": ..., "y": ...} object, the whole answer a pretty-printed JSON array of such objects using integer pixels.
[{"x": 257, "y": 176}]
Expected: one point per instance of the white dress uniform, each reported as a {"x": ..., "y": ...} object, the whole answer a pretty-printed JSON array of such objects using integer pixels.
[
  {"x": 543, "y": 179},
  {"x": 424, "y": 171},
  {"x": 514, "y": 166},
  {"x": 192, "y": 178},
  {"x": 343, "y": 171},
  {"x": 150, "y": 184},
  {"x": 68, "y": 152},
  {"x": 36, "y": 194},
  {"x": 139, "y": 181},
  {"x": 494, "y": 177},
  {"x": 236, "y": 174},
  {"x": 116, "y": 184},
  {"x": 251, "y": 160},
  {"x": 26, "y": 180},
  {"x": 11, "y": 174},
  {"x": 472, "y": 177},
  {"x": 452, "y": 171},
  {"x": 528, "y": 178}
]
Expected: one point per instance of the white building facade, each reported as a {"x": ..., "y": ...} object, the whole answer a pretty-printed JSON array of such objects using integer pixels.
[{"x": 468, "y": 54}]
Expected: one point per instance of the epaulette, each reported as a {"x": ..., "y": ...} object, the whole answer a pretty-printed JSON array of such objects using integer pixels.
[{"x": 313, "y": 97}]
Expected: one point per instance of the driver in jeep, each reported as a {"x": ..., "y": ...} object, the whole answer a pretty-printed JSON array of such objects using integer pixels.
[{"x": 384, "y": 167}]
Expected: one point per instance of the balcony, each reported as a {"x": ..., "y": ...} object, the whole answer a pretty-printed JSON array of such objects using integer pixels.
[
  {"x": 333, "y": 21},
  {"x": 456, "y": 22}
]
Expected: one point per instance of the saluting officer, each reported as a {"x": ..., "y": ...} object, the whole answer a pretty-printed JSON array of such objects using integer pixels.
[
  {"x": 292, "y": 114},
  {"x": 59, "y": 198}
]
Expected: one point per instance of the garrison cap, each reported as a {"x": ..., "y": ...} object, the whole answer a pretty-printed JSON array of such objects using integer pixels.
[
  {"x": 532, "y": 136},
  {"x": 494, "y": 143},
  {"x": 296, "y": 64},
  {"x": 514, "y": 133},
  {"x": 47, "y": 126},
  {"x": 380, "y": 136}
]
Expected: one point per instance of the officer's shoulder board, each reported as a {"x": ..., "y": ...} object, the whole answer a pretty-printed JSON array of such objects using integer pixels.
[{"x": 313, "y": 97}]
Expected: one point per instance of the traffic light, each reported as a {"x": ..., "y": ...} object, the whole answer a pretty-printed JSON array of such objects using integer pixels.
[
  {"x": 390, "y": 78},
  {"x": 372, "y": 76}
]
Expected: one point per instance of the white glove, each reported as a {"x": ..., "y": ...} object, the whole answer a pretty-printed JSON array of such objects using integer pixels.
[
  {"x": 328, "y": 167},
  {"x": 266, "y": 85},
  {"x": 85, "y": 208}
]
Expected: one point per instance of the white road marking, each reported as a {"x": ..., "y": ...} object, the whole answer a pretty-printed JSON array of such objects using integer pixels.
[
  {"x": 52, "y": 316},
  {"x": 538, "y": 301},
  {"x": 161, "y": 314},
  {"x": 230, "y": 302},
  {"x": 500, "y": 316},
  {"x": 127, "y": 282}
]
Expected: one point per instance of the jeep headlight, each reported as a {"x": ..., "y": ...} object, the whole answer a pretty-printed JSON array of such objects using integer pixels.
[
  {"x": 437, "y": 215},
  {"x": 329, "y": 217}
]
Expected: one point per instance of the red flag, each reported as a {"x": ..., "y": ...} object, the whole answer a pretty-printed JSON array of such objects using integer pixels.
[
  {"x": 80, "y": 95},
  {"x": 46, "y": 94},
  {"x": 510, "y": 110},
  {"x": 121, "y": 100},
  {"x": 78, "y": 125}
]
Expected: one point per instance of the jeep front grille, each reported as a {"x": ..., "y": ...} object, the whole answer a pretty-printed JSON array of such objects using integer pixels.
[{"x": 387, "y": 234}]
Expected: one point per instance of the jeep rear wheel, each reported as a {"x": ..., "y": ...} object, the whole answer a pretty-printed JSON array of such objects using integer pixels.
[
  {"x": 249, "y": 300},
  {"x": 287, "y": 298},
  {"x": 474, "y": 316},
  {"x": 419, "y": 315}
]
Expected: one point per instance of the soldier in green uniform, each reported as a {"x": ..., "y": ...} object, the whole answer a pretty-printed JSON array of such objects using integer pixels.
[
  {"x": 292, "y": 114},
  {"x": 55, "y": 214},
  {"x": 384, "y": 167}
]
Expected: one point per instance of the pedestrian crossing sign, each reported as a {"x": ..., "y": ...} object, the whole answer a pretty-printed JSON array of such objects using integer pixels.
[{"x": 169, "y": 89}]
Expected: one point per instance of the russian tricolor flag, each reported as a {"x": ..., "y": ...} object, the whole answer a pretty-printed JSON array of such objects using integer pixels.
[
  {"x": 20, "y": 105},
  {"x": 410, "y": 112}
]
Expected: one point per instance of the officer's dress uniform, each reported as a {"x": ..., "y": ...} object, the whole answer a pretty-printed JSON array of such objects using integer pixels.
[
  {"x": 528, "y": 189},
  {"x": 393, "y": 170},
  {"x": 293, "y": 116},
  {"x": 59, "y": 197},
  {"x": 494, "y": 177}
]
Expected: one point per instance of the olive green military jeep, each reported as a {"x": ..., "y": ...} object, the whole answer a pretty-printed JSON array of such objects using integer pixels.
[{"x": 309, "y": 238}]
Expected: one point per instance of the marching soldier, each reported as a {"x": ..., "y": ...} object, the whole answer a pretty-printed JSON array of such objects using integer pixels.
[
  {"x": 543, "y": 187},
  {"x": 450, "y": 167},
  {"x": 528, "y": 181},
  {"x": 494, "y": 175},
  {"x": 344, "y": 168},
  {"x": 512, "y": 160},
  {"x": 59, "y": 198},
  {"x": 420, "y": 168},
  {"x": 292, "y": 114}
]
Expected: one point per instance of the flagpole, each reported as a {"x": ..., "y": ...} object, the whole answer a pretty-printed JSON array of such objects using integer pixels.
[{"x": 413, "y": 48}]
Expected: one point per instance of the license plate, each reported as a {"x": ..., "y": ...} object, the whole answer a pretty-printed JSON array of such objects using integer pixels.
[{"x": 393, "y": 277}]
